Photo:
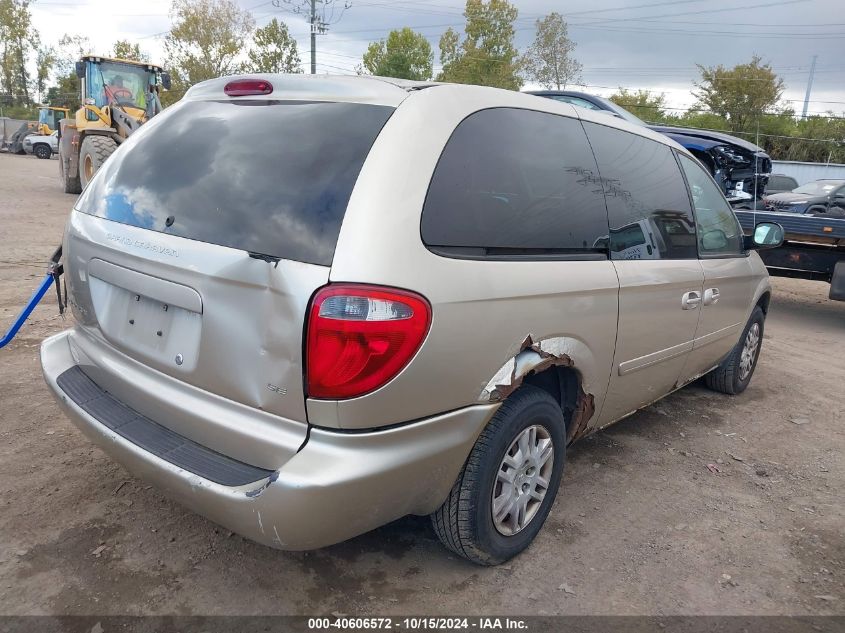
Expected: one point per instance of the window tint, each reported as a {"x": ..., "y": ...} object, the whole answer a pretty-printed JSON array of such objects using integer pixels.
[
  {"x": 268, "y": 177},
  {"x": 719, "y": 232},
  {"x": 515, "y": 182},
  {"x": 647, "y": 201}
]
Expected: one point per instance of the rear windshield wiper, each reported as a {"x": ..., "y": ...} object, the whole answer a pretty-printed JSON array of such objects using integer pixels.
[{"x": 270, "y": 259}]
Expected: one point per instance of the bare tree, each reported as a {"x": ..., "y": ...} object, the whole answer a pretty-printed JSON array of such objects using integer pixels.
[{"x": 549, "y": 61}]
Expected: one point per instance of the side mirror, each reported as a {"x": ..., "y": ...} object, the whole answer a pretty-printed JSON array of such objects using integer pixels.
[
  {"x": 80, "y": 69},
  {"x": 165, "y": 81},
  {"x": 766, "y": 235}
]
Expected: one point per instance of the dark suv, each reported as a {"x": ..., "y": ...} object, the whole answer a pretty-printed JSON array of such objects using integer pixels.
[{"x": 819, "y": 197}]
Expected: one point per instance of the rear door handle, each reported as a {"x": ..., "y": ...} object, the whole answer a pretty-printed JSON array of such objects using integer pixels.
[
  {"x": 711, "y": 295},
  {"x": 690, "y": 300}
]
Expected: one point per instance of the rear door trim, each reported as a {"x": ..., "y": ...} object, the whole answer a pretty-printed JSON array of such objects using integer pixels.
[{"x": 656, "y": 357}]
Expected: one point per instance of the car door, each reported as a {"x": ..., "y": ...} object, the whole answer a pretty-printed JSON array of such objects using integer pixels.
[
  {"x": 728, "y": 283},
  {"x": 660, "y": 293},
  {"x": 837, "y": 203}
]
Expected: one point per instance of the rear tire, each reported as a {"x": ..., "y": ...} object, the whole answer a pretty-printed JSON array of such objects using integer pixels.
[
  {"x": 42, "y": 151},
  {"x": 734, "y": 373},
  {"x": 70, "y": 185},
  {"x": 94, "y": 152},
  {"x": 518, "y": 457}
]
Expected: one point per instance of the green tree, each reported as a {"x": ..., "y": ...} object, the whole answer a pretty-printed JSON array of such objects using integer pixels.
[
  {"x": 486, "y": 56},
  {"x": 18, "y": 39},
  {"x": 206, "y": 40},
  {"x": 820, "y": 138},
  {"x": 549, "y": 61},
  {"x": 642, "y": 103},
  {"x": 45, "y": 59},
  {"x": 740, "y": 94},
  {"x": 274, "y": 50},
  {"x": 124, "y": 49},
  {"x": 405, "y": 55}
]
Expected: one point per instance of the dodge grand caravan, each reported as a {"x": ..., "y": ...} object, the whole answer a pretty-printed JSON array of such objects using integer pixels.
[{"x": 308, "y": 306}]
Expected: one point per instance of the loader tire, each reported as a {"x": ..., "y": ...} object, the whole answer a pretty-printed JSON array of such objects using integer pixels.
[
  {"x": 70, "y": 185},
  {"x": 93, "y": 153}
]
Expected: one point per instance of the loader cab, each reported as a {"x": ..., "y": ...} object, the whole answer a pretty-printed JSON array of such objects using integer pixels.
[
  {"x": 118, "y": 96},
  {"x": 49, "y": 118},
  {"x": 130, "y": 86}
]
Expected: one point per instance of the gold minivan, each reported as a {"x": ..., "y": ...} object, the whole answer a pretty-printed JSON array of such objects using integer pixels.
[{"x": 307, "y": 306}]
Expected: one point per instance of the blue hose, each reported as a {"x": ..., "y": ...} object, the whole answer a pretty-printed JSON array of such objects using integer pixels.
[{"x": 33, "y": 301}]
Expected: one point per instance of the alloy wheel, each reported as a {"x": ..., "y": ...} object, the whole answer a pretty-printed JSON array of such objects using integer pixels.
[
  {"x": 749, "y": 351},
  {"x": 522, "y": 480}
]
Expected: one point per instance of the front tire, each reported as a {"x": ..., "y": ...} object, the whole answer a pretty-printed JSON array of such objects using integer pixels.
[
  {"x": 94, "y": 152},
  {"x": 70, "y": 185},
  {"x": 42, "y": 151},
  {"x": 733, "y": 374},
  {"x": 509, "y": 482}
]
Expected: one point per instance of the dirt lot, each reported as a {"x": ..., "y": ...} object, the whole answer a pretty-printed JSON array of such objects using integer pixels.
[{"x": 640, "y": 527}]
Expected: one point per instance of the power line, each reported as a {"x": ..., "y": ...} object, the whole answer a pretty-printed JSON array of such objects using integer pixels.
[
  {"x": 776, "y": 3},
  {"x": 705, "y": 111},
  {"x": 707, "y": 129}
]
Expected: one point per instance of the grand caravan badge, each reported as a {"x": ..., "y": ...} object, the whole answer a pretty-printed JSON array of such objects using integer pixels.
[{"x": 142, "y": 244}]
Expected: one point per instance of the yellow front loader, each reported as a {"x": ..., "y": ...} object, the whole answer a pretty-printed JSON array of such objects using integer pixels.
[
  {"x": 49, "y": 118},
  {"x": 118, "y": 96}
]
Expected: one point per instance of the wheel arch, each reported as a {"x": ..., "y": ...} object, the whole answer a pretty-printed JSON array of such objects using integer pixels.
[
  {"x": 763, "y": 301},
  {"x": 562, "y": 366}
]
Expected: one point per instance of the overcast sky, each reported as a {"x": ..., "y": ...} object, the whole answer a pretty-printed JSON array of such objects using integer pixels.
[{"x": 650, "y": 44}]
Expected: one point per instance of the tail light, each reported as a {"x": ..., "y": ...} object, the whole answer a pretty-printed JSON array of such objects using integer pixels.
[{"x": 359, "y": 337}]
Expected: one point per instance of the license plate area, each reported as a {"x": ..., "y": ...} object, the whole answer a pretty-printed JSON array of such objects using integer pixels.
[{"x": 147, "y": 327}]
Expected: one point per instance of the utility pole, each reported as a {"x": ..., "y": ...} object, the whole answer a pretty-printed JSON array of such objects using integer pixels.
[
  {"x": 321, "y": 14},
  {"x": 809, "y": 86},
  {"x": 314, "y": 41}
]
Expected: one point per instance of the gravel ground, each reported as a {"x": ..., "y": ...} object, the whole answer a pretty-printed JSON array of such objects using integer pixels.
[{"x": 641, "y": 526}]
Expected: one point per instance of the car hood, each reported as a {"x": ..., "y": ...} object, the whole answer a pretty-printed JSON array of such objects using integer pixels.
[
  {"x": 789, "y": 196},
  {"x": 716, "y": 137}
]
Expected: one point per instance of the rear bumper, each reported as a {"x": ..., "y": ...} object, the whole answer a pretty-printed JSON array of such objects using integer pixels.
[{"x": 337, "y": 486}]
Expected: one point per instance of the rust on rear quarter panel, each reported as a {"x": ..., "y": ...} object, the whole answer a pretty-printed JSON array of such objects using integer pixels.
[{"x": 533, "y": 358}]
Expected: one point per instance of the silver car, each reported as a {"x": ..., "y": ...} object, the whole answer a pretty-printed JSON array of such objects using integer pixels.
[{"x": 308, "y": 306}]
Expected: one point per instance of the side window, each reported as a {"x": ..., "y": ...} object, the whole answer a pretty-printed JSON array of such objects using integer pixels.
[
  {"x": 577, "y": 101},
  {"x": 514, "y": 182},
  {"x": 647, "y": 202},
  {"x": 719, "y": 232}
]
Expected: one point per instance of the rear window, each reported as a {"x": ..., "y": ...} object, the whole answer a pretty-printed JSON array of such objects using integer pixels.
[
  {"x": 268, "y": 177},
  {"x": 516, "y": 182},
  {"x": 784, "y": 183}
]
